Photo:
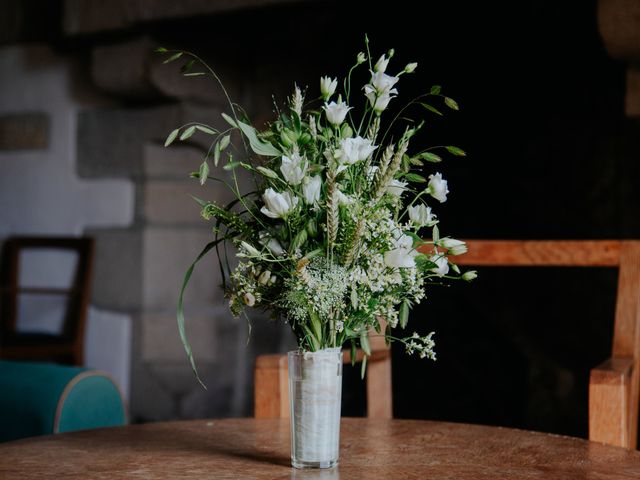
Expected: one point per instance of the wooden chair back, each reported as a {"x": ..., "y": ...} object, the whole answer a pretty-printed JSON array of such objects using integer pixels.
[
  {"x": 614, "y": 386},
  {"x": 68, "y": 346}
]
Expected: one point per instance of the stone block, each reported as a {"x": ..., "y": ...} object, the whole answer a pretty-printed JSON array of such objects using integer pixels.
[
  {"x": 632, "y": 99},
  {"x": 167, "y": 254},
  {"x": 161, "y": 341},
  {"x": 123, "y": 68},
  {"x": 118, "y": 267},
  {"x": 174, "y": 162},
  {"x": 24, "y": 131},
  {"x": 169, "y": 202},
  {"x": 110, "y": 142}
]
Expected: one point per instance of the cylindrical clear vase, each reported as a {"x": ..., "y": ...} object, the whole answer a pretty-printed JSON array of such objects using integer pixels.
[{"x": 315, "y": 390}]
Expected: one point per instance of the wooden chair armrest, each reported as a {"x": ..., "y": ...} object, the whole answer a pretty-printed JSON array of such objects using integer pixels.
[{"x": 609, "y": 402}]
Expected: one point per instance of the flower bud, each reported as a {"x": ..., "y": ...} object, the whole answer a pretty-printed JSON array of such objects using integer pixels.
[
  {"x": 361, "y": 58},
  {"x": 346, "y": 131},
  {"x": 410, "y": 68},
  {"x": 312, "y": 228},
  {"x": 328, "y": 87},
  {"x": 264, "y": 277},
  {"x": 469, "y": 275}
]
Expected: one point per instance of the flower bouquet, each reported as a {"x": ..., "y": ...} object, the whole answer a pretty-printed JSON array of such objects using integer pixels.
[{"x": 337, "y": 238}]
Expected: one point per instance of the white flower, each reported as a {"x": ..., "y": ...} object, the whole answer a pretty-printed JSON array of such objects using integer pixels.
[
  {"x": 396, "y": 187},
  {"x": 437, "y": 187},
  {"x": 361, "y": 58},
  {"x": 442, "y": 265},
  {"x": 379, "y": 101},
  {"x": 311, "y": 187},
  {"x": 264, "y": 277},
  {"x": 278, "y": 205},
  {"x": 353, "y": 150},
  {"x": 250, "y": 249},
  {"x": 293, "y": 169},
  {"x": 384, "y": 83},
  {"x": 402, "y": 255},
  {"x": 249, "y": 299},
  {"x": 344, "y": 199},
  {"x": 328, "y": 87},
  {"x": 336, "y": 112},
  {"x": 274, "y": 247},
  {"x": 420, "y": 215},
  {"x": 381, "y": 64},
  {"x": 453, "y": 246},
  {"x": 339, "y": 326},
  {"x": 469, "y": 275}
]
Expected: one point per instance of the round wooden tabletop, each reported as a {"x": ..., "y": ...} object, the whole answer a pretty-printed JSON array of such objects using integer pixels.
[{"x": 370, "y": 449}]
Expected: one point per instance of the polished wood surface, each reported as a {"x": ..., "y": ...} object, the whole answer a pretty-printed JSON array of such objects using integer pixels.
[
  {"x": 614, "y": 385},
  {"x": 259, "y": 449}
]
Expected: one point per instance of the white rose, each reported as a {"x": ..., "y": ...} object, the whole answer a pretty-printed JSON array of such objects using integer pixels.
[
  {"x": 381, "y": 64},
  {"x": 396, "y": 187},
  {"x": 453, "y": 246},
  {"x": 420, "y": 215},
  {"x": 311, "y": 187},
  {"x": 402, "y": 255},
  {"x": 437, "y": 187},
  {"x": 353, "y": 150},
  {"x": 249, "y": 299},
  {"x": 278, "y": 205},
  {"x": 442, "y": 265},
  {"x": 328, "y": 87},
  {"x": 293, "y": 169},
  {"x": 336, "y": 112}
]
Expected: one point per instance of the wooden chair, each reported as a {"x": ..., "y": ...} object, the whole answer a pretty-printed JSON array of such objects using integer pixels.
[
  {"x": 271, "y": 394},
  {"x": 68, "y": 346},
  {"x": 614, "y": 386}
]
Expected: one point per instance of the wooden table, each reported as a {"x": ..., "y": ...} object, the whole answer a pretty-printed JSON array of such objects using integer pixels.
[{"x": 370, "y": 449}]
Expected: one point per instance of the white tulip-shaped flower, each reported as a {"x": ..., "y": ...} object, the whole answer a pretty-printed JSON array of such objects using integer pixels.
[
  {"x": 278, "y": 205},
  {"x": 344, "y": 199},
  {"x": 442, "y": 265},
  {"x": 420, "y": 215},
  {"x": 381, "y": 64},
  {"x": 437, "y": 187},
  {"x": 396, "y": 187},
  {"x": 402, "y": 255},
  {"x": 293, "y": 169},
  {"x": 453, "y": 246},
  {"x": 336, "y": 112},
  {"x": 311, "y": 187},
  {"x": 353, "y": 150},
  {"x": 328, "y": 87},
  {"x": 384, "y": 83}
]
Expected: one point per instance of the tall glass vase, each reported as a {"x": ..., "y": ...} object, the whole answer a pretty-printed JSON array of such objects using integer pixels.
[{"x": 315, "y": 389}]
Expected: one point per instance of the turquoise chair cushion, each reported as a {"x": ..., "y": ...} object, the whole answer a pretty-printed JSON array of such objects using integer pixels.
[{"x": 43, "y": 398}]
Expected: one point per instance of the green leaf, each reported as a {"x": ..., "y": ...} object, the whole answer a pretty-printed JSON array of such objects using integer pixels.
[
  {"x": 172, "y": 136},
  {"x": 224, "y": 142},
  {"x": 431, "y": 157},
  {"x": 180, "y": 312},
  {"x": 414, "y": 177},
  {"x": 364, "y": 343},
  {"x": 299, "y": 240},
  {"x": 229, "y": 120},
  {"x": 188, "y": 132},
  {"x": 436, "y": 89},
  {"x": 354, "y": 353},
  {"x": 416, "y": 161},
  {"x": 232, "y": 165},
  {"x": 193, "y": 74},
  {"x": 202, "y": 203},
  {"x": 431, "y": 109},
  {"x": 206, "y": 129},
  {"x": 456, "y": 151},
  {"x": 160, "y": 50},
  {"x": 203, "y": 173},
  {"x": 267, "y": 172},
  {"x": 216, "y": 155},
  {"x": 451, "y": 103},
  {"x": 187, "y": 66},
  {"x": 259, "y": 147},
  {"x": 404, "y": 314},
  {"x": 173, "y": 57},
  {"x": 363, "y": 367}
]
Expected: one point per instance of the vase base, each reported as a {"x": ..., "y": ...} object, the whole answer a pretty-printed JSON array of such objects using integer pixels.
[{"x": 302, "y": 464}]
